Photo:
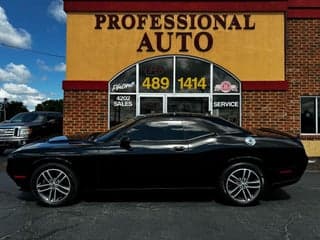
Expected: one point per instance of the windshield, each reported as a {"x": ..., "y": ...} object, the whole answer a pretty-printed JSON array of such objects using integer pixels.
[
  {"x": 114, "y": 131},
  {"x": 27, "y": 118}
]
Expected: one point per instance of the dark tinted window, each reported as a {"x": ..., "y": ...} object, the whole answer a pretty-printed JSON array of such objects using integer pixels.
[
  {"x": 308, "y": 115},
  {"x": 227, "y": 107},
  {"x": 156, "y": 129},
  {"x": 125, "y": 82},
  {"x": 28, "y": 117},
  {"x": 122, "y": 107},
  {"x": 156, "y": 75},
  {"x": 198, "y": 128},
  {"x": 192, "y": 75},
  {"x": 188, "y": 104}
]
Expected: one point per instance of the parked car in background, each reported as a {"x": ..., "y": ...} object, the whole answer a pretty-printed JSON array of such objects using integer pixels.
[
  {"x": 164, "y": 151},
  {"x": 29, "y": 126}
]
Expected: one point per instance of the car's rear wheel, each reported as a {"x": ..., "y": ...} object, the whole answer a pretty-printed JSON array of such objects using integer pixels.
[
  {"x": 54, "y": 184},
  {"x": 242, "y": 184}
]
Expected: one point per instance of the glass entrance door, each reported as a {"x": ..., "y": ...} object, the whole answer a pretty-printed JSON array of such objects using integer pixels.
[
  {"x": 151, "y": 105},
  {"x": 188, "y": 104}
]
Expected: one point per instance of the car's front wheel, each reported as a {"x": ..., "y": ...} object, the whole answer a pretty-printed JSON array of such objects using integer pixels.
[
  {"x": 242, "y": 184},
  {"x": 54, "y": 184}
]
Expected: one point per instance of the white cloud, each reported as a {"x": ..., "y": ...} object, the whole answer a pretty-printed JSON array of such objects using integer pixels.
[
  {"x": 12, "y": 36},
  {"x": 13, "y": 72},
  {"x": 22, "y": 93},
  {"x": 19, "y": 89},
  {"x": 43, "y": 65},
  {"x": 60, "y": 67},
  {"x": 56, "y": 11}
]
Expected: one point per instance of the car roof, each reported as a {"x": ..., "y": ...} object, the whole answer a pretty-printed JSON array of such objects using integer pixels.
[
  {"x": 208, "y": 117},
  {"x": 179, "y": 114},
  {"x": 46, "y": 112}
]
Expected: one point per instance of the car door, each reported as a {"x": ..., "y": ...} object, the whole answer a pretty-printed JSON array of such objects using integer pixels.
[
  {"x": 144, "y": 155},
  {"x": 202, "y": 145}
]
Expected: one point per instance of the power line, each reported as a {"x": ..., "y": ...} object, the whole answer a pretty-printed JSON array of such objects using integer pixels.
[{"x": 33, "y": 51}]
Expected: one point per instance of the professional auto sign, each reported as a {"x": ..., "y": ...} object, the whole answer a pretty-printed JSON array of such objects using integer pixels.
[
  {"x": 179, "y": 28},
  {"x": 109, "y": 42}
]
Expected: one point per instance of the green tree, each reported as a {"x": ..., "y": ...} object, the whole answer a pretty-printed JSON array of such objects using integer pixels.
[
  {"x": 12, "y": 108},
  {"x": 51, "y": 105}
]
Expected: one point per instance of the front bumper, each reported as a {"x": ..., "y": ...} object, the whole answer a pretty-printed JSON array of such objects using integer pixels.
[
  {"x": 13, "y": 142},
  {"x": 19, "y": 174}
]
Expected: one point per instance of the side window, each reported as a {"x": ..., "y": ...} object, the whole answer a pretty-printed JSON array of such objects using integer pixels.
[
  {"x": 194, "y": 129},
  {"x": 156, "y": 130}
]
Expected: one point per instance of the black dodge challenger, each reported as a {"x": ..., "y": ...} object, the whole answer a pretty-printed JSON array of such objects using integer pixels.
[{"x": 165, "y": 151}]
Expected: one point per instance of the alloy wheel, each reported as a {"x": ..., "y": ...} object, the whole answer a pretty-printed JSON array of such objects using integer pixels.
[
  {"x": 243, "y": 185},
  {"x": 53, "y": 185}
]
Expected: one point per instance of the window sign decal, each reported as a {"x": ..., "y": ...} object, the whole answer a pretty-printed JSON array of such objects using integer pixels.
[
  {"x": 192, "y": 75},
  {"x": 156, "y": 76},
  {"x": 225, "y": 87},
  {"x": 122, "y": 86},
  {"x": 227, "y": 107},
  {"x": 224, "y": 82},
  {"x": 122, "y": 107},
  {"x": 123, "y": 101},
  {"x": 125, "y": 82},
  {"x": 226, "y": 104}
]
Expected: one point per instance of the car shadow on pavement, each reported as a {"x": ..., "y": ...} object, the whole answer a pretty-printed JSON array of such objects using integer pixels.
[
  {"x": 170, "y": 196},
  {"x": 277, "y": 194},
  {"x": 148, "y": 196},
  {"x": 26, "y": 196},
  {"x": 157, "y": 196}
]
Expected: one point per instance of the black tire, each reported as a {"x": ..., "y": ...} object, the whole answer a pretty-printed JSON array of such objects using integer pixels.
[
  {"x": 54, "y": 185},
  {"x": 241, "y": 184}
]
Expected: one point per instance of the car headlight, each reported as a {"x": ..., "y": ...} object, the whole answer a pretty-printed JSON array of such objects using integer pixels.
[{"x": 24, "y": 132}]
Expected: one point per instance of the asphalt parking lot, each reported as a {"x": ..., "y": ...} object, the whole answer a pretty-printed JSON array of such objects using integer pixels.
[{"x": 290, "y": 213}]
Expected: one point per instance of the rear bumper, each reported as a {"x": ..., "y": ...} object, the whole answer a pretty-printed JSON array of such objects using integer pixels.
[{"x": 289, "y": 175}]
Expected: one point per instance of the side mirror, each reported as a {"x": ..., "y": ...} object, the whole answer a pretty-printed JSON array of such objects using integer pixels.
[{"x": 125, "y": 142}]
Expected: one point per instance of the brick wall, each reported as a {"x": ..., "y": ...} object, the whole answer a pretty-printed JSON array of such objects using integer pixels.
[
  {"x": 85, "y": 112},
  {"x": 281, "y": 109}
]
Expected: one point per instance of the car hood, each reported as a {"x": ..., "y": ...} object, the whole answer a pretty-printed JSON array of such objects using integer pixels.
[
  {"x": 54, "y": 144},
  {"x": 12, "y": 125}
]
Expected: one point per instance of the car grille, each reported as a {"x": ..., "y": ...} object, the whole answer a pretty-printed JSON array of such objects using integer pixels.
[{"x": 7, "y": 132}]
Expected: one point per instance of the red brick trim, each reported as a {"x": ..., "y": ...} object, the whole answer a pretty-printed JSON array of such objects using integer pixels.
[
  {"x": 85, "y": 85},
  {"x": 304, "y": 3},
  {"x": 246, "y": 85},
  {"x": 304, "y": 13},
  {"x": 174, "y": 6},
  {"x": 265, "y": 85}
]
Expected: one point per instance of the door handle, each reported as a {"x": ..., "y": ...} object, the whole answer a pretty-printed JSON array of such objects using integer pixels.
[{"x": 179, "y": 148}]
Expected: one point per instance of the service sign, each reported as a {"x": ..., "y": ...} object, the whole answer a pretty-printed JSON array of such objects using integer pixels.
[{"x": 249, "y": 45}]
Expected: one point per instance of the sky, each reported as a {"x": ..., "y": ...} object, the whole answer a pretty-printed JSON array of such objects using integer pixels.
[{"x": 32, "y": 50}]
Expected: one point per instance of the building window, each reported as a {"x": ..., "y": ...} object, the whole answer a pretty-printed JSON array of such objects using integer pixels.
[
  {"x": 310, "y": 108},
  {"x": 174, "y": 84}
]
